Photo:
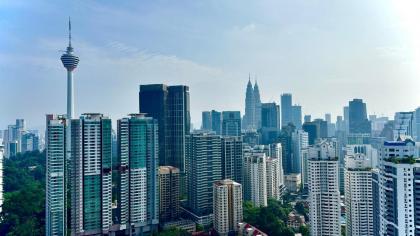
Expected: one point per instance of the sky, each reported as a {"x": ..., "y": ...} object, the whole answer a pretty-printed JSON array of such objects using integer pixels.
[{"x": 323, "y": 52}]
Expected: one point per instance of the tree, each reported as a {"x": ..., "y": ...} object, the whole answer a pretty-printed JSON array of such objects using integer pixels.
[{"x": 24, "y": 198}]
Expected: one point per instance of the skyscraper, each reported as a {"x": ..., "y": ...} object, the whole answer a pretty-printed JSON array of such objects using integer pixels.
[
  {"x": 203, "y": 169},
  {"x": 206, "y": 120},
  {"x": 249, "y": 117},
  {"x": 170, "y": 105},
  {"x": 216, "y": 121},
  {"x": 285, "y": 139},
  {"x": 270, "y": 122},
  {"x": 358, "y": 121},
  {"x": 286, "y": 109},
  {"x": 55, "y": 200},
  {"x": 232, "y": 158},
  {"x": 358, "y": 195},
  {"x": 274, "y": 178},
  {"x": 252, "y": 117},
  {"x": 324, "y": 194},
  {"x": 300, "y": 147},
  {"x": 227, "y": 206},
  {"x": 169, "y": 196},
  {"x": 231, "y": 123},
  {"x": 138, "y": 172},
  {"x": 297, "y": 116},
  {"x": 257, "y": 101},
  {"x": 30, "y": 142},
  {"x": 255, "y": 177},
  {"x": 90, "y": 174},
  {"x": 399, "y": 188}
]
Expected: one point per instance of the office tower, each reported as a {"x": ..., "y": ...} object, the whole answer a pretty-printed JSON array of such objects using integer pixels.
[
  {"x": 170, "y": 105},
  {"x": 285, "y": 139},
  {"x": 270, "y": 122},
  {"x": 404, "y": 124},
  {"x": 286, "y": 109},
  {"x": 90, "y": 174},
  {"x": 324, "y": 194},
  {"x": 255, "y": 177},
  {"x": 340, "y": 124},
  {"x": 330, "y": 126},
  {"x": 249, "y": 117},
  {"x": 30, "y": 142},
  {"x": 297, "y": 116},
  {"x": 251, "y": 138},
  {"x": 346, "y": 114},
  {"x": 358, "y": 195},
  {"x": 56, "y": 199},
  {"x": 231, "y": 123},
  {"x": 358, "y": 122},
  {"x": 169, "y": 178},
  {"x": 274, "y": 180},
  {"x": 216, "y": 122},
  {"x": 399, "y": 188},
  {"x": 138, "y": 172},
  {"x": 13, "y": 138},
  {"x": 203, "y": 169},
  {"x": 232, "y": 158},
  {"x": 257, "y": 101},
  {"x": 316, "y": 129},
  {"x": 206, "y": 120},
  {"x": 227, "y": 206},
  {"x": 307, "y": 118},
  {"x": 299, "y": 147},
  {"x": 70, "y": 62}
]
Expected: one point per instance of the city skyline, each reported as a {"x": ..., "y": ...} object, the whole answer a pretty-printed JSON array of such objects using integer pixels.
[{"x": 117, "y": 59}]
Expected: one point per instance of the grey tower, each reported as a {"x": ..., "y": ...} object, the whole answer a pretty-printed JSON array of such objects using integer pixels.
[{"x": 70, "y": 62}]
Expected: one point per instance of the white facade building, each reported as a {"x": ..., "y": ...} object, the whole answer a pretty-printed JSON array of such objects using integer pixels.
[
  {"x": 358, "y": 195},
  {"x": 399, "y": 188},
  {"x": 255, "y": 177},
  {"x": 274, "y": 183},
  {"x": 324, "y": 194},
  {"x": 227, "y": 206}
]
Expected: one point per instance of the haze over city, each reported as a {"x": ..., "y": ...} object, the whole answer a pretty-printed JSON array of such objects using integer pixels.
[{"x": 324, "y": 53}]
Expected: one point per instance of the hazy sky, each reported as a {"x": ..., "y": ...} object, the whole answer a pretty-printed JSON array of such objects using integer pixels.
[{"x": 323, "y": 52}]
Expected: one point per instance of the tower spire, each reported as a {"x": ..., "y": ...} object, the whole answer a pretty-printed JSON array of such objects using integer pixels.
[{"x": 69, "y": 32}]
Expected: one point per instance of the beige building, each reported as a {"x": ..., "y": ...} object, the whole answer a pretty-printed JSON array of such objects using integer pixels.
[
  {"x": 227, "y": 206},
  {"x": 293, "y": 182},
  {"x": 168, "y": 193}
]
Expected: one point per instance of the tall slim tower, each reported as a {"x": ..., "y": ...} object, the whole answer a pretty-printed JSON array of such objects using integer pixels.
[{"x": 70, "y": 62}]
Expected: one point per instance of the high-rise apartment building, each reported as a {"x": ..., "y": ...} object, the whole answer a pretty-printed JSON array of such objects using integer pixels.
[
  {"x": 358, "y": 195},
  {"x": 170, "y": 106},
  {"x": 203, "y": 169},
  {"x": 270, "y": 122},
  {"x": 90, "y": 174},
  {"x": 324, "y": 194},
  {"x": 56, "y": 186},
  {"x": 231, "y": 123},
  {"x": 274, "y": 178},
  {"x": 255, "y": 177},
  {"x": 232, "y": 158},
  {"x": 137, "y": 174},
  {"x": 169, "y": 195},
  {"x": 227, "y": 206},
  {"x": 399, "y": 188},
  {"x": 300, "y": 146}
]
